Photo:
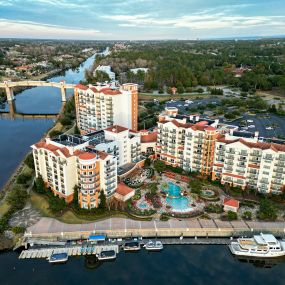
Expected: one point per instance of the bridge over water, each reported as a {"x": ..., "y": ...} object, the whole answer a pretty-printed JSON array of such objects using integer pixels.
[{"x": 9, "y": 85}]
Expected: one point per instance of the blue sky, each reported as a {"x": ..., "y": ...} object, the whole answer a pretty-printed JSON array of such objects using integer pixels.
[{"x": 141, "y": 19}]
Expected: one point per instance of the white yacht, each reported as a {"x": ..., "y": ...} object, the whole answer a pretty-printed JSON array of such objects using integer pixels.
[
  {"x": 263, "y": 245},
  {"x": 153, "y": 246}
]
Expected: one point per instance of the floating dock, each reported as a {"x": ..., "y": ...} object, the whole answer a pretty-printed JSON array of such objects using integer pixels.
[{"x": 71, "y": 251}]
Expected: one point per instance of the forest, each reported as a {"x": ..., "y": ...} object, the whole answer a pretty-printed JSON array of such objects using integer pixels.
[{"x": 187, "y": 64}]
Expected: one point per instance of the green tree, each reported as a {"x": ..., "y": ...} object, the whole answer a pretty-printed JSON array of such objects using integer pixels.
[
  {"x": 75, "y": 196},
  {"x": 147, "y": 162},
  {"x": 247, "y": 215},
  {"x": 267, "y": 210},
  {"x": 29, "y": 161},
  {"x": 196, "y": 186},
  {"x": 40, "y": 185},
  {"x": 76, "y": 130},
  {"x": 159, "y": 166},
  {"x": 23, "y": 178},
  {"x": 231, "y": 215},
  {"x": 102, "y": 198},
  {"x": 100, "y": 76},
  {"x": 56, "y": 204}
]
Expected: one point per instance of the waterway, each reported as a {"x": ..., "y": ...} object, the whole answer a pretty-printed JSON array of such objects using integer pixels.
[
  {"x": 187, "y": 264},
  {"x": 17, "y": 135}
]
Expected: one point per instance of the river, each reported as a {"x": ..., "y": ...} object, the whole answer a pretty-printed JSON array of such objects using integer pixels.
[
  {"x": 195, "y": 264},
  {"x": 17, "y": 135}
]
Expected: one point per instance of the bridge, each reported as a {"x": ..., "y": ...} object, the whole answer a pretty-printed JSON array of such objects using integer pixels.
[
  {"x": 14, "y": 114},
  {"x": 9, "y": 85}
]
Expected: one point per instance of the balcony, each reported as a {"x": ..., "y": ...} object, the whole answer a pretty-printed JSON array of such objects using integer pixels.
[
  {"x": 279, "y": 170},
  {"x": 109, "y": 170},
  {"x": 109, "y": 182}
]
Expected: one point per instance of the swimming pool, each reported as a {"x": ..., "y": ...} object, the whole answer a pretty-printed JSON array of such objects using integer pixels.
[
  {"x": 176, "y": 200},
  {"x": 142, "y": 205}
]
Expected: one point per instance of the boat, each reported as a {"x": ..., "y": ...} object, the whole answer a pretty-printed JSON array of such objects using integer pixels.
[
  {"x": 153, "y": 246},
  {"x": 58, "y": 257},
  {"x": 131, "y": 246},
  {"x": 263, "y": 245},
  {"x": 107, "y": 255}
]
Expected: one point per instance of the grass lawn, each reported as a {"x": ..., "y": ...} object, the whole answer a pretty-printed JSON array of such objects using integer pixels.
[
  {"x": 40, "y": 203},
  {"x": 4, "y": 207},
  {"x": 159, "y": 97}
]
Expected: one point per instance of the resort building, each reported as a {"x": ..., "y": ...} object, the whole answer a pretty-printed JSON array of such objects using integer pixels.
[
  {"x": 189, "y": 145},
  {"x": 68, "y": 161},
  {"x": 235, "y": 158},
  {"x": 247, "y": 162},
  {"x": 92, "y": 162},
  {"x": 99, "y": 107}
]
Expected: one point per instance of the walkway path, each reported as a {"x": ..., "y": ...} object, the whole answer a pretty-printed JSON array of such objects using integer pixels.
[{"x": 120, "y": 227}]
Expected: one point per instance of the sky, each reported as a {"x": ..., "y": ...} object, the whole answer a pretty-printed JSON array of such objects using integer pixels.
[{"x": 140, "y": 19}]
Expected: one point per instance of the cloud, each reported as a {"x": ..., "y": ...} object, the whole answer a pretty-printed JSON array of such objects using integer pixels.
[
  {"x": 29, "y": 29},
  {"x": 198, "y": 21}
]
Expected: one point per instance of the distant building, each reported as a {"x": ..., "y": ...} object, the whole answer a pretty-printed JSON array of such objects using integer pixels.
[
  {"x": 135, "y": 70},
  {"x": 106, "y": 69}
]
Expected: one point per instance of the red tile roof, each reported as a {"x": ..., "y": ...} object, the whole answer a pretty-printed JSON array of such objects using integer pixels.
[
  {"x": 102, "y": 154},
  {"x": 87, "y": 155},
  {"x": 116, "y": 129},
  {"x": 94, "y": 89},
  {"x": 53, "y": 148},
  {"x": 152, "y": 137},
  {"x": 210, "y": 128},
  {"x": 109, "y": 91},
  {"x": 123, "y": 189},
  {"x": 231, "y": 202},
  {"x": 80, "y": 86},
  {"x": 259, "y": 145}
]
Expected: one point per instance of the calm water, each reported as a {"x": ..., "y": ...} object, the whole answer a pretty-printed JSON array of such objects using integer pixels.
[
  {"x": 175, "y": 265},
  {"x": 17, "y": 135}
]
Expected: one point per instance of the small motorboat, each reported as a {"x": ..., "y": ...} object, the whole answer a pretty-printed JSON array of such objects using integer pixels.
[
  {"x": 153, "y": 245},
  {"x": 58, "y": 257},
  {"x": 131, "y": 246},
  {"x": 107, "y": 255}
]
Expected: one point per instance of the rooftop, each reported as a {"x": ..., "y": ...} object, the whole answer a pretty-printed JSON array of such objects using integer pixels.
[
  {"x": 123, "y": 189},
  {"x": 116, "y": 129}
]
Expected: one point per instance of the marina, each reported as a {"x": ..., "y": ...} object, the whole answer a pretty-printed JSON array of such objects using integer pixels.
[{"x": 70, "y": 251}]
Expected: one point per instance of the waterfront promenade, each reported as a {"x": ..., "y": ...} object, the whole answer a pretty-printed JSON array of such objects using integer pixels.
[{"x": 123, "y": 227}]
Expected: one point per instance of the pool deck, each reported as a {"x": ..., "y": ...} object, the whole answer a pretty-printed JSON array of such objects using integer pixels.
[{"x": 123, "y": 227}]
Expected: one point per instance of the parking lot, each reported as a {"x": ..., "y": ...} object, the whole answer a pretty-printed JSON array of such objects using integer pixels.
[
  {"x": 268, "y": 125},
  {"x": 262, "y": 123},
  {"x": 183, "y": 107}
]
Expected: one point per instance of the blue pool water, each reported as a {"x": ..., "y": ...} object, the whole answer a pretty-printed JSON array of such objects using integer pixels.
[
  {"x": 142, "y": 205},
  {"x": 173, "y": 190},
  {"x": 175, "y": 199}
]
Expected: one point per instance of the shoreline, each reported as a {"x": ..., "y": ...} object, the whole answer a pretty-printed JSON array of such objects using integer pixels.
[{"x": 43, "y": 77}]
